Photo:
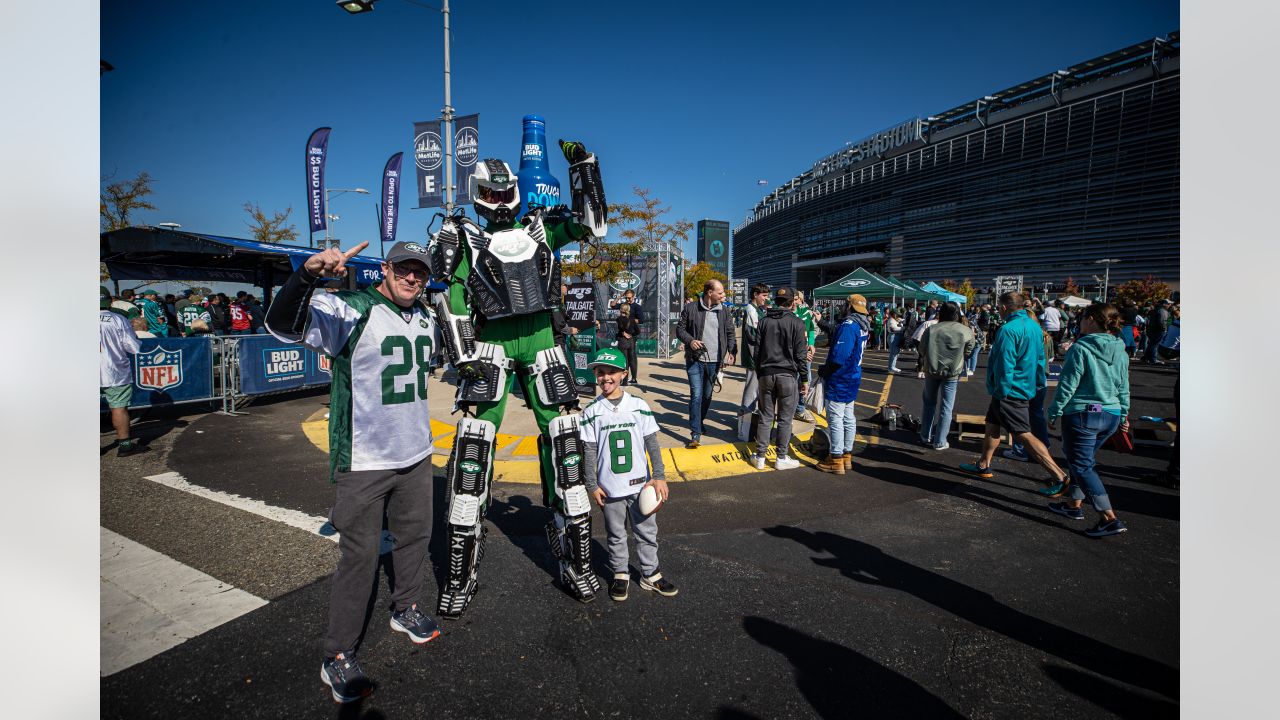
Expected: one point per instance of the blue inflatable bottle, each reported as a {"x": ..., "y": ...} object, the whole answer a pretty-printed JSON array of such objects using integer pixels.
[{"x": 537, "y": 185}]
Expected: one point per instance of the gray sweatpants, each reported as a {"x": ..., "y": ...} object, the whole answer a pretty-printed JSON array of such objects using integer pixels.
[
  {"x": 364, "y": 496},
  {"x": 779, "y": 397},
  {"x": 617, "y": 513}
]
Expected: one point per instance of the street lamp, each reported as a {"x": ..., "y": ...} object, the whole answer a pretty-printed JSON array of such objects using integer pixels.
[
  {"x": 359, "y": 7},
  {"x": 327, "y": 191},
  {"x": 1107, "y": 279}
]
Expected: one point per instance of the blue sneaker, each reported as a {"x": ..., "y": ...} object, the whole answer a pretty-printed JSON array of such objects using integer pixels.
[
  {"x": 1067, "y": 511},
  {"x": 345, "y": 678},
  {"x": 1104, "y": 528},
  {"x": 1013, "y": 454},
  {"x": 419, "y": 627}
]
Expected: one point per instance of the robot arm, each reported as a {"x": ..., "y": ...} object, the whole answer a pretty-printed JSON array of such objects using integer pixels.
[
  {"x": 587, "y": 188},
  {"x": 482, "y": 366}
]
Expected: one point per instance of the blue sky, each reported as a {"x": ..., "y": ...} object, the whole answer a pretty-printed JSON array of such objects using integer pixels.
[{"x": 695, "y": 101}]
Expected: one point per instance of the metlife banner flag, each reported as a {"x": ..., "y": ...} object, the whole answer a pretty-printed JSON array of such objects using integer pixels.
[
  {"x": 466, "y": 150},
  {"x": 428, "y": 157}
]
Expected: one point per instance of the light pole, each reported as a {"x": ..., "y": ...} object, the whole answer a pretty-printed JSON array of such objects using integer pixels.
[
  {"x": 1108, "y": 262},
  {"x": 327, "y": 241},
  {"x": 357, "y": 7}
]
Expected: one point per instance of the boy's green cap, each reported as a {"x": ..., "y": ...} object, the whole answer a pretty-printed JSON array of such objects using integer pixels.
[{"x": 608, "y": 357}]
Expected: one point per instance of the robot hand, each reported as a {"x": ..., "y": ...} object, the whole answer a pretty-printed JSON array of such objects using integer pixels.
[
  {"x": 586, "y": 188},
  {"x": 574, "y": 152}
]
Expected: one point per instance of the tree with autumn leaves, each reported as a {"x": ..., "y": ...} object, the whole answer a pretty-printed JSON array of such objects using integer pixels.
[
  {"x": 641, "y": 224},
  {"x": 1146, "y": 291}
]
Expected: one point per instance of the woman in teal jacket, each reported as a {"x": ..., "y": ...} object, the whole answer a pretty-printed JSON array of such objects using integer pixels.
[{"x": 1093, "y": 401}]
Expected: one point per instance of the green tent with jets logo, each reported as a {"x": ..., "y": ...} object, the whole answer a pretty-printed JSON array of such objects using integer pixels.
[{"x": 861, "y": 281}]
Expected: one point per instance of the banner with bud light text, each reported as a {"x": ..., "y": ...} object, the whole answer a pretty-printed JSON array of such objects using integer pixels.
[
  {"x": 466, "y": 151},
  {"x": 317, "y": 149},
  {"x": 428, "y": 157},
  {"x": 390, "y": 198},
  {"x": 269, "y": 365}
]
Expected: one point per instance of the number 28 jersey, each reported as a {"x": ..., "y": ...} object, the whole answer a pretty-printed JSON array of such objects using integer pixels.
[
  {"x": 622, "y": 467},
  {"x": 378, "y": 417}
]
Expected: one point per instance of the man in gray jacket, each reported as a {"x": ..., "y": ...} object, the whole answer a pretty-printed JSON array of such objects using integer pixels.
[
  {"x": 943, "y": 350},
  {"x": 706, "y": 329},
  {"x": 783, "y": 347}
]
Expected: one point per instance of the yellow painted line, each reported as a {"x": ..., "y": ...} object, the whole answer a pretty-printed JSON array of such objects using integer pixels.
[
  {"x": 867, "y": 380},
  {"x": 884, "y": 394},
  {"x": 528, "y": 447}
]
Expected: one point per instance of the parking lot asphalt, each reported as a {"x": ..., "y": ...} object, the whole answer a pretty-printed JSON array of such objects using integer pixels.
[{"x": 902, "y": 589}]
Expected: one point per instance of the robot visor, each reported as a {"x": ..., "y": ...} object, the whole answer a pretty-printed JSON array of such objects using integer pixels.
[{"x": 497, "y": 196}]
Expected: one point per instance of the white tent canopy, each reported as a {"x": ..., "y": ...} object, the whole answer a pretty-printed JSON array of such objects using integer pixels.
[{"x": 1073, "y": 301}]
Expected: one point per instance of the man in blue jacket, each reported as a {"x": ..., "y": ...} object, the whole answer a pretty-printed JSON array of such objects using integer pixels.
[
  {"x": 1015, "y": 369},
  {"x": 842, "y": 377}
]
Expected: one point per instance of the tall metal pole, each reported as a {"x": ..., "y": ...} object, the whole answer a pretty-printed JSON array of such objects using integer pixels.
[
  {"x": 327, "y": 221},
  {"x": 446, "y": 116},
  {"x": 1106, "y": 280}
]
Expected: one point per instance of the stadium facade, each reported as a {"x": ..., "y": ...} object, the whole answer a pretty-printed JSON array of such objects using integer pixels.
[{"x": 1042, "y": 180}]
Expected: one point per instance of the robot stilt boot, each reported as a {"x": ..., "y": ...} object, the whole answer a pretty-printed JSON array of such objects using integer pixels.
[
  {"x": 469, "y": 475},
  {"x": 569, "y": 532}
]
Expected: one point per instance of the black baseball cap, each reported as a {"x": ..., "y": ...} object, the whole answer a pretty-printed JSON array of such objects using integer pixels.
[
  {"x": 402, "y": 251},
  {"x": 784, "y": 295}
]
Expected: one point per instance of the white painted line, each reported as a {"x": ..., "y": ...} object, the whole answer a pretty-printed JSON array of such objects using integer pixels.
[
  {"x": 150, "y": 602},
  {"x": 293, "y": 518}
]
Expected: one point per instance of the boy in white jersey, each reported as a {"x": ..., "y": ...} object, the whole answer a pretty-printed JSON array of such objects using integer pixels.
[
  {"x": 618, "y": 431},
  {"x": 380, "y": 340}
]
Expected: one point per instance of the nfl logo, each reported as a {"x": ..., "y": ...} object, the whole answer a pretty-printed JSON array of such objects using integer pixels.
[
  {"x": 160, "y": 369},
  {"x": 326, "y": 363}
]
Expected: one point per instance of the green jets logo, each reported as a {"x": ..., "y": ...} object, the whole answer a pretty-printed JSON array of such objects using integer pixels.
[
  {"x": 571, "y": 460},
  {"x": 717, "y": 248},
  {"x": 469, "y": 466},
  {"x": 414, "y": 247}
]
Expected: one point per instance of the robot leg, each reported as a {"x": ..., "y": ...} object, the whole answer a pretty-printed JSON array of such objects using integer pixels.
[
  {"x": 569, "y": 533},
  {"x": 553, "y": 378},
  {"x": 469, "y": 475}
]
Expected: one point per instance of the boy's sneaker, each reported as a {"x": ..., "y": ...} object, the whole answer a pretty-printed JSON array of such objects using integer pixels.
[
  {"x": 618, "y": 586},
  {"x": 419, "y": 627},
  {"x": 1104, "y": 528},
  {"x": 975, "y": 469},
  {"x": 786, "y": 463},
  {"x": 1056, "y": 490},
  {"x": 345, "y": 678},
  {"x": 757, "y": 462},
  {"x": 944, "y": 446},
  {"x": 659, "y": 584},
  {"x": 1011, "y": 454},
  {"x": 1067, "y": 511}
]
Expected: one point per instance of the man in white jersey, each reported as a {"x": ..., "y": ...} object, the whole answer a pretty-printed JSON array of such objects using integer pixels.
[
  {"x": 618, "y": 431},
  {"x": 380, "y": 340},
  {"x": 117, "y": 341}
]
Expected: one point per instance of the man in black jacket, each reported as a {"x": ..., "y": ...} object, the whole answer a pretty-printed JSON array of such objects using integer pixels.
[
  {"x": 706, "y": 329},
  {"x": 783, "y": 348}
]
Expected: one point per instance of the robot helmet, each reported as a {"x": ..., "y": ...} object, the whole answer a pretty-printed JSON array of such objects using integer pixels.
[{"x": 494, "y": 193}]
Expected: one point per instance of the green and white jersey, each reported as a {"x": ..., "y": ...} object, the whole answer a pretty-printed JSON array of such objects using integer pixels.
[
  {"x": 378, "y": 417},
  {"x": 191, "y": 313},
  {"x": 619, "y": 431}
]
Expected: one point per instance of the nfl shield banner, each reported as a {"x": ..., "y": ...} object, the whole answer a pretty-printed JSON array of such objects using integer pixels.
[{"x": 172, "y": 370}]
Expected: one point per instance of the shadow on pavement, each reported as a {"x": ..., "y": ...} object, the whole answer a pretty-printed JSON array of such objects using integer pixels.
[
  {"x": 1120, "y": 700},
  {"x": 353, "y": 711},
  {"x": 839, "y": 682},
  {"x": 866, "y": 563}
]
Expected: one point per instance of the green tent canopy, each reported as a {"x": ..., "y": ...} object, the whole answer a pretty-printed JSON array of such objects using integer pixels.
[
  {"x": 907, "y": 292},
  {"x": 861, "y": 281},
  {"x": 930, "y": 294}
]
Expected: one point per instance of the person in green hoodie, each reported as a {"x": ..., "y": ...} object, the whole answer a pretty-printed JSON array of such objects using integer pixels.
[
  {"x": 1015, "y": 371},
  {"x": 1093, "y": 401}
]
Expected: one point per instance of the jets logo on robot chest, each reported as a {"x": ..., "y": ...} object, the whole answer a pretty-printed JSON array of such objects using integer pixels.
[{"x": 160, "y": 369}]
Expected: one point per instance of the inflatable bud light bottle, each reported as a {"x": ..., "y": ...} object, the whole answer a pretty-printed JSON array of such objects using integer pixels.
[{"x": 537, "y": 185}]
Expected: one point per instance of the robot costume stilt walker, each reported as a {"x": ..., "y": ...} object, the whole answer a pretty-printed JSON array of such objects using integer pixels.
[{"x": 495, "y": 321}]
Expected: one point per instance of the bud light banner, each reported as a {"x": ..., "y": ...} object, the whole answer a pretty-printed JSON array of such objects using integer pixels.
[
  {"x": 466, "y": 150},
  {"x": 317, "y": 148},
  {"x": 428, "y": 156},
  {"x": 269, "y": 365},
  {"x": 390, "y": 198}
]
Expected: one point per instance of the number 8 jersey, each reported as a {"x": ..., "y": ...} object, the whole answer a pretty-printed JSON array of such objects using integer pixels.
[
  {"x": 378, "y": 418},
  {"x": 622, "y": 467}
]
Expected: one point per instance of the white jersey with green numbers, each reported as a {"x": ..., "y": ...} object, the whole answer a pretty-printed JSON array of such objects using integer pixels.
[
  {"x": 378, "y": 417},
  {"x": 619, "y": 431}
]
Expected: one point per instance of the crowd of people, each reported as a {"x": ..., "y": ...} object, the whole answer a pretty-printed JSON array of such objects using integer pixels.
[{"x": 189, "y": 313}]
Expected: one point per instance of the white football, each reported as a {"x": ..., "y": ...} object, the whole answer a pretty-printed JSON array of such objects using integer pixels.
[{"x": 649, "y": 502}]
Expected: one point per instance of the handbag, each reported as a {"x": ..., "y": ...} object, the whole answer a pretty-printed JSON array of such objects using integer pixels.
[
  {"x": 1120, "y": 442},
  {"x": 816, "y": 399}
]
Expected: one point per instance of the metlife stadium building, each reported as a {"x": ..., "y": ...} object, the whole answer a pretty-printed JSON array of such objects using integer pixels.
[{"x": 1041, "y": 180}]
